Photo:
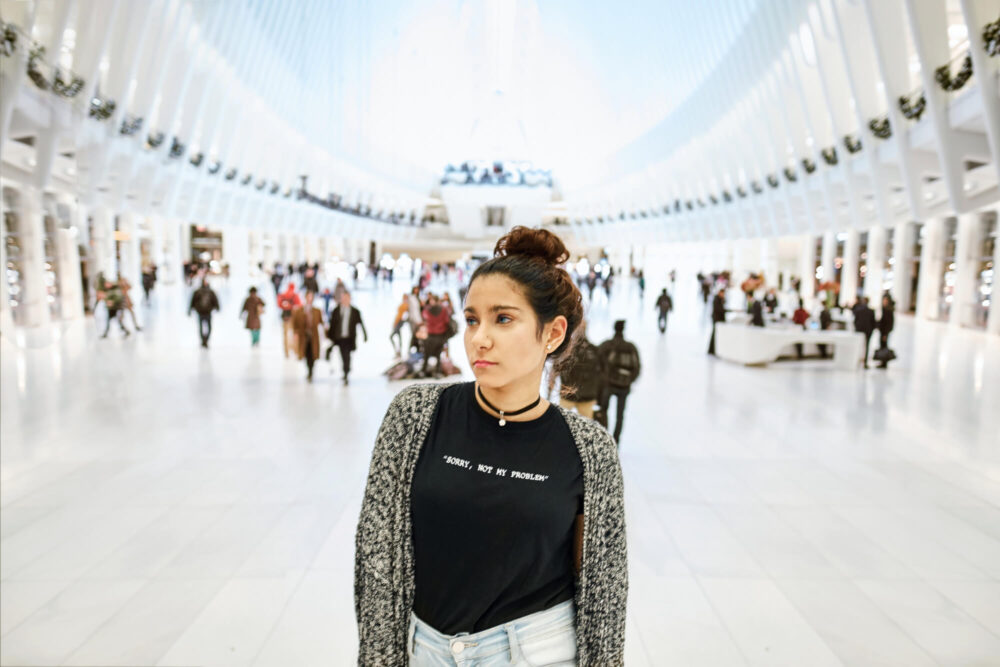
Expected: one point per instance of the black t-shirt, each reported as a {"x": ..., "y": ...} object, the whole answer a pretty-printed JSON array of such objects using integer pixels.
[{"x": 493, "y": 510}]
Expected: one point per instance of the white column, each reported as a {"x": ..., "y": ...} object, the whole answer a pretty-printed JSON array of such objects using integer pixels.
[
  {"x": 903, "y": 240},
  {"x": 966, "y": 299},
  {"x": 70, "y": 287},
  {"x": 236, "y": 252},
  {"x": 993, "y": 318},
  {"x": 104, "y": 244},
  {"x": 172, "y": 270},
  {"x": 807, "y": 266},
  {"x": 829, "y": 251},
  {"x": 875, "y": 272},
  {"x": 31, "y": 230},
  {"x": 931, "y": 270},
  {"x": 131, "y": 257},
  {"x": 849, "y": 269},
  {"x": 769, "y": 260},
  {"x": 156, "y": 229}
]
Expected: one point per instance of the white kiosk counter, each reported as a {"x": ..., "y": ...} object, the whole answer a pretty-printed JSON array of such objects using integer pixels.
[{"x": 761, "y": 345}]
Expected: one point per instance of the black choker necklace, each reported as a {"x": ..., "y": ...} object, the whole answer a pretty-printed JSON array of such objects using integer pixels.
[{"x": 512, "y": 413}]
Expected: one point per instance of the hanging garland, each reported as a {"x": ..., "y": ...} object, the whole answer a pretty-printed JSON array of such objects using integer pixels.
[
  {"x": 852, "y": 143},
  {"x": 689, "y": 205},
  {"x": 772, "y": 180},
  {"x": 176, "y": 148},
  {"x": 756, "y": 187},
  {"x": 197, "y": 159},
  {"x": 246, "y": 179},
  {"x": 701, "y": 204},
  {"x": 991, "y": 38},
  {"x": 214, "y": 168},
  {"x": 275, "y": 187},
  {"x": 130, "y": 125},
  {"x": 155, "y": 140},
  {"x": 808, "y": 165},
  {"x": 829, "y": 155},
  {"x": 36, "y": 62},
  {"x": 741, "y": 191},
  {"x": 880, "y": 127},
  {"x": 101, "y": 109},
  {"x": 726, "y": 197},
  {"x": 790, "y": 175},
  {"x": 34, "y": 73},
  {"x": 63, "y": 89},
  {"x": 260, "y": 184},
  {"x": 677, "y": 205},
  {"x": 943, "y": 74},
  {"x": 913, "y": 110},
  {"x": 288, "y": 193}
]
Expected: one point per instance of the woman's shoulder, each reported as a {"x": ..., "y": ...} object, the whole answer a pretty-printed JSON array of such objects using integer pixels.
[
  {"x": 588, "y": 433},
  {"x": 421, "y": 393}
]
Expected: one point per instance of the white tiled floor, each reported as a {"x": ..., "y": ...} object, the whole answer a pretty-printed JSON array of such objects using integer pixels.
[{"x": 166, "y": 505}]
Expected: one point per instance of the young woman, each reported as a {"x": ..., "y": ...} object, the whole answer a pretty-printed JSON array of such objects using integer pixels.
[{"x": 493, "y": 527}]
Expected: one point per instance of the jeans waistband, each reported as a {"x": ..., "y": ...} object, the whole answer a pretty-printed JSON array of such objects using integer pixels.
[{"x": 504, "y": 637}]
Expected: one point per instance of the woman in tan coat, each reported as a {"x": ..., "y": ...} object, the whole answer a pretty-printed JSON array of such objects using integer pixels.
[
  {"x": 253, "y": 307},
  {"x": 307, "y": 323}
]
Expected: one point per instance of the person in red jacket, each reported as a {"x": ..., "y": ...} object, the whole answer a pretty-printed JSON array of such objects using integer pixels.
[
  {"x": 437, "y": 317},
  {"x": 288, "y": 301}
]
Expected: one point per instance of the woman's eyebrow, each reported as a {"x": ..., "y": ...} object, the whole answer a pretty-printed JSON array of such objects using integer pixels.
[{"x": 495, "y": 309}]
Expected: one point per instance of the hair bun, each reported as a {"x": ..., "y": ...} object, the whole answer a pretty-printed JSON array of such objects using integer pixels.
[{"x": 528, "y": 242}]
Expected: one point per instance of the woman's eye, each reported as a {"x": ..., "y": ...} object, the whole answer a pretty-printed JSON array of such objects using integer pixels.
[
  {"x": 470, "y": 321},
  {"x": 504, "y": 319}
]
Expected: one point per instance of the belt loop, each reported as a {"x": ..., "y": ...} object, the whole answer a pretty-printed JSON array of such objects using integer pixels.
[
  {"x": 515, "y": 648},
  {"x": 411, "y": 643}
]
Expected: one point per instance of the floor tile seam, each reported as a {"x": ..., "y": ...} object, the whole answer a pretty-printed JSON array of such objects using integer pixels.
[
  {"x": 945, "y": 544},
  {"x": 932, "y": 583},
  {"x": 899, "y": 626},
  {"x": 51, "y": 510},
  {"x": 278, "y": 617}
]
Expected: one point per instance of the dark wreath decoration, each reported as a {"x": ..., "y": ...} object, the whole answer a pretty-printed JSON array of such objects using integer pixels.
[
  {"x": 912, "y": 109},
  {"x": 880, "y": 127},
  {"x": 852, "y": 143},
  {"x": 772, "y": 180},
  {"x": 991, "y": 38},
  {"x": 829, "y": 155},
  {"x": 176, "y": 148},
  {"x": 790, "y": 175},
  {"x": 808, "y": 165},
  {"x": 950, "y": 83},
  {"x": 130, "y": 125}
]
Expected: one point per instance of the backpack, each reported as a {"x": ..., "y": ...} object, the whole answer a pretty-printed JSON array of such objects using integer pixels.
[
  {"x": 622, "y": 364},
  {"x": 203, "y": 301},
  {"x": 584, "y": 374}
]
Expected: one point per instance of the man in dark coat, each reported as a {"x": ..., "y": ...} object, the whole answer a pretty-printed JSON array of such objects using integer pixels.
[
  {"x": 756, "y": 312},
  {"x": 718, "y": 316},
  {"x": 664, "y": 304},
  {"x": 886, "y": 322},
  {"x": 204, "y": 302},
  {"x": 344, "y": 322},
  {"x": 864, "y": 322},
  {"x": 620, "y": 359}
]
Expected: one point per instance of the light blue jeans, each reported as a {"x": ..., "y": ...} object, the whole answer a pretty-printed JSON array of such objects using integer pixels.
[{"x": 543, "y": 638}]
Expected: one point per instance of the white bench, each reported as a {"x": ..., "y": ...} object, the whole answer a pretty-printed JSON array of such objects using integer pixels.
[{"x": 761, "y": 345}]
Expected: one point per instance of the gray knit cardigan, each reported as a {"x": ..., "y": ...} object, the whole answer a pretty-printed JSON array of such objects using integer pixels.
[{"x": 383, "y": 573}]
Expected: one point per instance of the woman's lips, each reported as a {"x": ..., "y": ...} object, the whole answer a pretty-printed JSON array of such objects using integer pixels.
[{"x": 483, "y": 364}]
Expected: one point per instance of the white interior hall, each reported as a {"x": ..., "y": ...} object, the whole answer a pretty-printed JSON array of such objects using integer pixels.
[{"x": 808, "y": 480}]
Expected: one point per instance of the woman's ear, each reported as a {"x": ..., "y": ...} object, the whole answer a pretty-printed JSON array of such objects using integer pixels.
[{"x": 556, "y": 333}]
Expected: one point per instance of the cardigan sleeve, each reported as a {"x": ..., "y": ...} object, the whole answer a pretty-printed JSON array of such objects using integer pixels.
[
  {"x": 377, "y": 580},
  {"x": 606, "y": 563}
]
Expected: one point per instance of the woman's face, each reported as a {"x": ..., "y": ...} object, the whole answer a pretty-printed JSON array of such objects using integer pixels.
[{"x": 501, "y": 335}]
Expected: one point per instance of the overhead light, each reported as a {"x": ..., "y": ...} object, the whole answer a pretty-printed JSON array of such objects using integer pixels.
[
  {"x": 968, "y": 186},
  {"x": 928, "y": 195}
]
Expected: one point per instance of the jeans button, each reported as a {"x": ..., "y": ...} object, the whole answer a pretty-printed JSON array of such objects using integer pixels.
[{"x": 457, "y": 647}]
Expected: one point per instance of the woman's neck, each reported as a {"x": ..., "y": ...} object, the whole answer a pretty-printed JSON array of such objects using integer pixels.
[{"x": 513, "y": 397}]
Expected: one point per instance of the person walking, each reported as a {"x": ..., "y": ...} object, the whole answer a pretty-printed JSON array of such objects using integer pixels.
[
  {"x": 642, "y": 285},
  {"x": 309, "y": 283},
  {"x": 886, "y": 322},
  {"x": 718, "y": 317},
  {"x": 126, "y": 305},
  {"x": 582, "y": 376},
  {"x": 148, "y": 281},
  {"x": 288, "y": 301},
  {"x": 664, "y": 304},
  {"x": 344, "y": 322},
  {"x": 396, "y": 338},
  {"x": 756, "y": 311},
  {"x": 253, "y": 306},
  {"x": 204, "y": 302},
  {"x": 864, "y": 322},
  {"x": 621, "y": 368},
  {"x": 529, "y": 483},
  {"x": 415, "y": 315},
  {"x": 307, "y": 323},
  {"x": 111, "y": 294},
  {"x": 437, "y": 317}
]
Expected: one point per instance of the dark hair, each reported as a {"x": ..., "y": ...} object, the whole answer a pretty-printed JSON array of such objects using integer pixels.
[
  {"x": 253, "y": 290},
  {"x": 532, "y": 259}
]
